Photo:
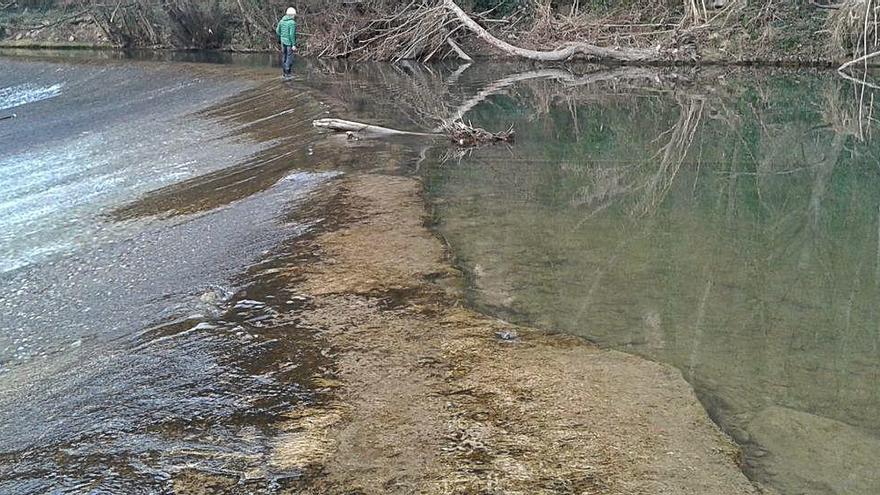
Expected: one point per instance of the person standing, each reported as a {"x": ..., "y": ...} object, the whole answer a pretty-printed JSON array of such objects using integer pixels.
[{"x": 286, "y": 31}]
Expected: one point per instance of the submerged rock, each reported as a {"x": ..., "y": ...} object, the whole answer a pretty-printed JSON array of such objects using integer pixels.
[
  {"x": 425, "y": 401},
  {"x": 822, "y": 456}
]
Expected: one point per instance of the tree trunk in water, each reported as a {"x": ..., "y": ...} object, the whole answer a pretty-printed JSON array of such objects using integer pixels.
[
  {"x": 566, "y": 52},
  {"x": 340, "y": 125},
  {"x": 461, "y": 134}
]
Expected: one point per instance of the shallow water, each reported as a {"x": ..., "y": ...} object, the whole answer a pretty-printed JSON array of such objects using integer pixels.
[
  {"x": 145, "y": 209},
  {"x": 729, "y": 226}
]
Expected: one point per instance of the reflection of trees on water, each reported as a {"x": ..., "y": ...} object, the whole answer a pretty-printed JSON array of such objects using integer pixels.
[
  {"x": 671, "y": 156},
  {"x": 718, "y": 134},
  {"x": 725, "y": 222},
  {"x": 728, "y": 227}
]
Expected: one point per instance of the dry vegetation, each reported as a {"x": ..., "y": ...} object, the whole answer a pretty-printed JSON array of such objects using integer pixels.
[{"x": 666, "y": 30}]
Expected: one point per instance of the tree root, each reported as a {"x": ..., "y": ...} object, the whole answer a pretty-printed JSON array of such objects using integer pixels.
[{"x": 467, "y": 136}]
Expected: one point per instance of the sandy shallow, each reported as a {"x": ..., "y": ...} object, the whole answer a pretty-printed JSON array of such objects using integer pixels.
[{"x": 421, "y": 395}]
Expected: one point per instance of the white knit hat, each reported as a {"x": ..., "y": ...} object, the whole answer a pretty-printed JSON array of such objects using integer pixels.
[{"x": 291, "y": 11}]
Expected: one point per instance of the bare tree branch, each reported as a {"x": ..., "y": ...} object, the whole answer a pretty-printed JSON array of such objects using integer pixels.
[{"x": 569, "y": 51}]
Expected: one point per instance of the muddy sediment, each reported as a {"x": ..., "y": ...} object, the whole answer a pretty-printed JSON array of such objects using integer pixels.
[{"x": 426, "y": 396}]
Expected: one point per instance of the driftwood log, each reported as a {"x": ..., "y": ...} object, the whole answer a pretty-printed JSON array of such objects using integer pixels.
[
  {"x": 366, "y": 130},
  {"x": 459, "y": 133}
]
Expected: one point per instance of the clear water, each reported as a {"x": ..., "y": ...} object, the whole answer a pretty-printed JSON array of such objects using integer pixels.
[
  {"x": 728, "y": 225},
  {"x": 726, "y": 222}
]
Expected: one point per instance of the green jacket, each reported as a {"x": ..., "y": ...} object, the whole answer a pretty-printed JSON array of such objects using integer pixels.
[{"x": 286, "y": 31}]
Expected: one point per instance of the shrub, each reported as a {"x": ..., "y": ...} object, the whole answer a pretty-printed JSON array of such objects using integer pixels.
[{"x": 197, "y": 24}]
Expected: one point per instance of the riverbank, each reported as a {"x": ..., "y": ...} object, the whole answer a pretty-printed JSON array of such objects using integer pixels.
[
  {"x": 664, "y": 31},
  {"x": 422, "y": 395}
]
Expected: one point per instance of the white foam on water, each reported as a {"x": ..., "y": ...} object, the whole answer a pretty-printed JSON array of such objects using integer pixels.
[
  {"x": 44, "y": 194},
  {"x": 50, "y": 198},
  {"x": 16, "y": 96}
]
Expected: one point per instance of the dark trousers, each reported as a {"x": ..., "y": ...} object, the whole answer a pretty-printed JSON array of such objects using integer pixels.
[{"x": 286, "y": 59}]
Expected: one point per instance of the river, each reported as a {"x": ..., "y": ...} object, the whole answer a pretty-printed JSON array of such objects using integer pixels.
[
  {"x": 724, "y": 221},
  {"x": 136, "y": 215}
]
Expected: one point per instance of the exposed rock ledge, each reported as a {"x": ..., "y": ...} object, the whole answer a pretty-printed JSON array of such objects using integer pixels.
[{"x": 426, "y": 398}]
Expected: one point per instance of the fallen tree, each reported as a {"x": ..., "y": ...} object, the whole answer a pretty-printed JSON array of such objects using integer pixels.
[
  {"x": 566, "y": 52},
  {"x": 459, "y": 133},
  {"x": 339, "y": 125},
  {"x": 429, "y": 29}
]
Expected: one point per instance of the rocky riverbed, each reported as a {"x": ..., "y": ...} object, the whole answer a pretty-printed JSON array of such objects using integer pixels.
[{"x": 422, "y": 395}]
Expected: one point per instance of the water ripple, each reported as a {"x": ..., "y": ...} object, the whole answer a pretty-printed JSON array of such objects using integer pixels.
[{"x": 16, "y": 96}]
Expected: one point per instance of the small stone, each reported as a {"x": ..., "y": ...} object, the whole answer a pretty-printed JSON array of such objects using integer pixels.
[
  {"x": 71, "y": 39},
  {"x": 209, "y": 297},
  {"x": 506, "y": 335}
]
